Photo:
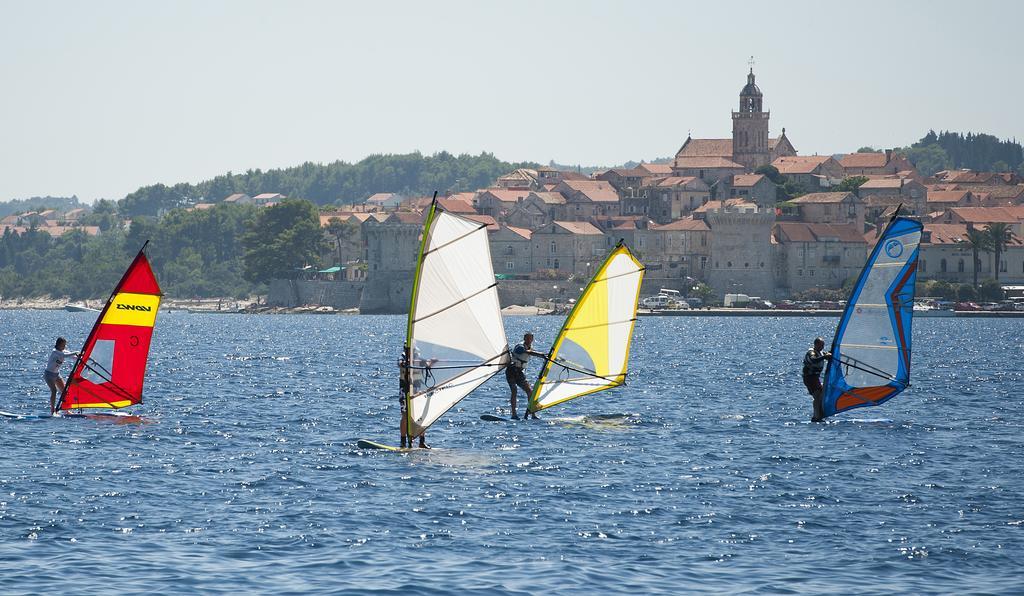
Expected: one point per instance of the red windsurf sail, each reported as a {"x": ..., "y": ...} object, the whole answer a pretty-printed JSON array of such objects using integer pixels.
[{"x": 111, "y": 367}]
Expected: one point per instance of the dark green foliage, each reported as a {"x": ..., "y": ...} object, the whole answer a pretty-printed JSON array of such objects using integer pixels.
[
  {"x": 991, "y": 291},
  {"x": 39, "y": 204},
  {"x": 283, "y": 238},
  {"x": 850, "y": 184},
  {"x": 334, "y": 183},
  {"x": 978, "y": 152},
  {"x": 785, "y": 189},
  {"x": 966, "y": 293},
  {"x": 195, "y": 254},
  {"x": 999, "y": 235}
]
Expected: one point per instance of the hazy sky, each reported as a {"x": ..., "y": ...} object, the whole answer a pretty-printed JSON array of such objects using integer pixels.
[{"x": 98, "y": 98}]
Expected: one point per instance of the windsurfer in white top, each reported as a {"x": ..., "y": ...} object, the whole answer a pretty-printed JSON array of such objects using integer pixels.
[
  {"x": 52, "y": 373},
  {"x": 516, "y": 376}
]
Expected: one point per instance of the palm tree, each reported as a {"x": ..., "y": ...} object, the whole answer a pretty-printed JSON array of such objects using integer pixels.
[
  {"x": 978, "y": 241},
  {"x": 999, "y": 235}
]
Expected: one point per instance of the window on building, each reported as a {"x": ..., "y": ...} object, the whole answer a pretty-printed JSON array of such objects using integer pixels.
[
  {"x": 510, "y": 265},
  {"x": 553, "y": 248},
  {"x": 703, "y": 262},
  {"x": 942, "y": 265},
  {"x": 810, "y": 272},
  {"x": 1002, "y": 266},
  {"x": 556, "y": 264},
  {"x": 728, "y": 264},
  {"x": 509, "y": 250},
  {"x": 799, "y": 272},
  {"x": 960, "y": 266}
]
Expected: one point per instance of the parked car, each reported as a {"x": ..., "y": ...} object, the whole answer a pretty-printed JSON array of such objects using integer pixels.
[
  {"x": 787, "y": 305},
  {"x": 695, "y": 302},
  {"x": 967, "y": 306}
]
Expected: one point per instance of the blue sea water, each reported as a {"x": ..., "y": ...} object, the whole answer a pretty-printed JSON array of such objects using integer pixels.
[{"x": 245, "y": 476}]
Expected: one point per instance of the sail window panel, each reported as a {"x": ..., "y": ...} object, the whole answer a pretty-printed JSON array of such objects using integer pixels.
[{"x": 100, "y": 366}]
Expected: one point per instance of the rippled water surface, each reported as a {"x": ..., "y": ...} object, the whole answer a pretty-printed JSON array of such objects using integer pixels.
[{"x": 245, "y": 475}]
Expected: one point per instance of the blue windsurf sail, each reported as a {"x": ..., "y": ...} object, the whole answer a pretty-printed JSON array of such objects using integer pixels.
[{"x": 871, "y": 349}]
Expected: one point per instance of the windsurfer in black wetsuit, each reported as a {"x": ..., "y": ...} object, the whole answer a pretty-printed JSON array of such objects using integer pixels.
[
  {"x": 516, "y": 376},
  {"x": 814, "y": 363}
]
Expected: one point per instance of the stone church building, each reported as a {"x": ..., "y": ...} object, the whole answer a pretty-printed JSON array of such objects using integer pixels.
[{"x": 750, "y": 146}]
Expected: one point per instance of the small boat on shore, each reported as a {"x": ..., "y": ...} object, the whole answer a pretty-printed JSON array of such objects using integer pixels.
[{"x": 79, "y": 307}]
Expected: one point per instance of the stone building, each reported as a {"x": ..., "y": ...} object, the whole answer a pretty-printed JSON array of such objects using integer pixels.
[
  {"x": 709, "y": 169},
  {"x": 499, "y": 202},
  {"x": 875, "y": 164},
  {"x": 391, "y": 249},
  {"x": 681, "y": 247},
  {"x": 536, "y": 210},
  {"x": 756, "y": 188},
  {"x": 568, "y": 246},
  {"x": 666, "y": 199},
  {"x": 813, "y": 172},
  {"x": 891, "y": 192},
  {"x": 585, "y": 199},
  {"x": 511, "y": 250},
  {"x": 741, "y": 251},
  {"x": 750, "y": 145},
  {"x": 812, "y": 255},
  {"x": 831, "y": 208}
]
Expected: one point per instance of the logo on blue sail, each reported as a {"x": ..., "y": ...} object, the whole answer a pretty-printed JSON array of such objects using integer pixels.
[{"x": 894, "y": 248}]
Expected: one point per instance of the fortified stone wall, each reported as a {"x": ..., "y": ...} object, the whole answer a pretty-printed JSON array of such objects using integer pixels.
[
  {"x": 741, "y": 253},
  {"x": 293, "y": 292}
]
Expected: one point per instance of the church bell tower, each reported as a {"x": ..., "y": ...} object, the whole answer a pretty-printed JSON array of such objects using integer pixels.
[{"x": 750, "y": 128}]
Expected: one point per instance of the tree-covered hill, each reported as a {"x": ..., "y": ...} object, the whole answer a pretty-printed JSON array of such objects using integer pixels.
[
  {"x": 334, "y": 183},
  {"x": 975, "y": 151}
]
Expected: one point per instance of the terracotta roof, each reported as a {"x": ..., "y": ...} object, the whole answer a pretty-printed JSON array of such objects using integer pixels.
[
  {"x": 799, "y": 164},
  {"x": 822, "y": 197},
  {"x": 269, "y": 196},
  {"x": 656, "y": 169},
  {"x": 717, "y": 205},
  {"x": 597, "y": 191},
  {"x": 550, "y": 198},
  {"x": 687, "y": 224},
  {"x": 947, "y": 196},
  {"x": 883, "y": 183},
  {"x": 238, "y": 196},
  {"x": 864, "y": 160},
  {"x": 797, "y": 231},
  {"x": 705, "y": 162},
  {"x": 706, "y": 148},
  {"x": 985, "y": 215},
  {"x": 492, "y": 224},
  {"x": 524, "y": 174},
  {"x": 405, "y": 217},
  {"x": 456, "y": 206},
  {"x": 525, "y": 233},
  {"x": 941, "y": 233},
  {"x": 683, "y": 181},
  {"x": 579, "y": 227},
  {"x": 463, "y": 196},
  {"x": 379, "y": 197},
  {"x": 746, "y": 180},
  {"x": 201, "y": 207},
  {"x": 506, "y": 196}
]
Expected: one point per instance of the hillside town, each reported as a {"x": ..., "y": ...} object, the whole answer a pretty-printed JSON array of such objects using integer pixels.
[
  {"x": 745, "y": 214},
  {"x": 713, "y": 216}
]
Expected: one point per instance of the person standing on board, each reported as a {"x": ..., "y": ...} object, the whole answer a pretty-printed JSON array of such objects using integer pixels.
[
  {"x": 814, "y": 363},
  {"x": 408, "y": 376},
  {"x": 516, "y": 376},
  {"x": 52, "y": 373}
]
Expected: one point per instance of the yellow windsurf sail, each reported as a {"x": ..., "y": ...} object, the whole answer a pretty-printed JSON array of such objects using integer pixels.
[{"x": 591, "y": 352}]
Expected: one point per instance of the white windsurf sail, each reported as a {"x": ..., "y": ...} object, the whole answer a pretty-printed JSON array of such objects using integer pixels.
[
  {"x": 455, "y": 334},
  {"x": 591, "y": 352}
]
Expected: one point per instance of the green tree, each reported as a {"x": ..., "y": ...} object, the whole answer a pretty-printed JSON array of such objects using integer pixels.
[
  {"x": 943, "y": 289},
  {"x": 868, "y": 150},
  {"x": 850, "y": 184},
  {"x": 966, "y": 293},
  {"x": 347, "y": 239},
  {"x": 928, "y": 159},
  {"x": 282, "y": 239},
  {"x": 979, "y": 241},
  {"x": 991, "y": 291},
  {"x": 999, "y": 235}
]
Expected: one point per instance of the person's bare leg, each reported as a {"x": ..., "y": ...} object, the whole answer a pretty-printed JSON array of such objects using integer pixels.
[
  {"x": 512, "y": 404},
  {"x": 529, "y": 391},
  {"x": 423, "y": 441}
]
